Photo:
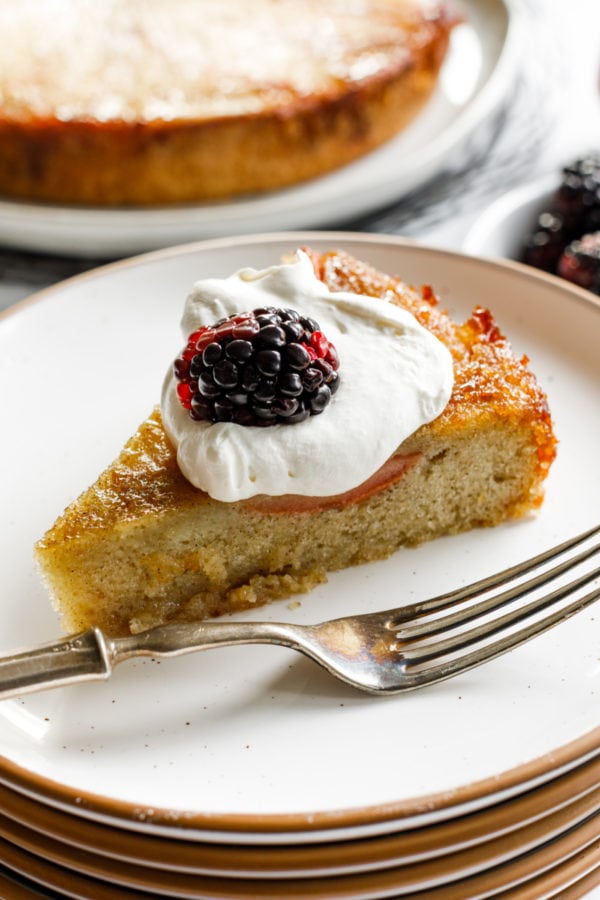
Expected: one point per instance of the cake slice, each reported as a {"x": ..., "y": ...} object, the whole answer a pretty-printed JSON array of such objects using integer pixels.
[{"x": 143, "y": 545}]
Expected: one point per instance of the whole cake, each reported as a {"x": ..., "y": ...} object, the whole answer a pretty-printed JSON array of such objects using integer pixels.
[
  {"x": 321, "y": 414},
  {"x": 172, "y": 101}
]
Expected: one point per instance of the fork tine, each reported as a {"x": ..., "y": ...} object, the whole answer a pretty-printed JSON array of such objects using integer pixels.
[
  {"x": 458, "y": 665},
  {"x": 500, "y": 578},
  {"x": 434, "y": 650},
  {"x": 426, "y": 627}
]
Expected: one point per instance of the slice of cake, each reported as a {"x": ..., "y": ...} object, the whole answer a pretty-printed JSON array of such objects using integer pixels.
[
  {"x": 169, "y": 101},
  {"x": 413, "y": 427}
]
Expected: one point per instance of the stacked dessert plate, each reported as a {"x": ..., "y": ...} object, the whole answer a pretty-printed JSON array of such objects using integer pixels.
[
  {"x": 249, "y": 772},
  {"x": 544, "y": 839}
]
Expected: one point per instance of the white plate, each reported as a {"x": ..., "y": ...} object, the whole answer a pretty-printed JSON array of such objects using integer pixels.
[
  {"x": 260, "y": 741},
  {"x": 475, "y": 78},
  {"x": 502, "y": 229}
]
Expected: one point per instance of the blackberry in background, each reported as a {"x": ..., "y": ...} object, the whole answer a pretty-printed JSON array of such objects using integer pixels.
[
  {"x": 578, "y": 194},
  {"x": 580, "y": 262},
  {"x": 546, "y": 242},
  {"x": 557, "y": 242},
  {"x": 592, "y": 218}
]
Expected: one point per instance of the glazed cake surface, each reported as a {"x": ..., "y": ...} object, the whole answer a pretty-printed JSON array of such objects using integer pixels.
[
  {"x": 170, "y": 101},
  {"x": 143, "y": 546}
]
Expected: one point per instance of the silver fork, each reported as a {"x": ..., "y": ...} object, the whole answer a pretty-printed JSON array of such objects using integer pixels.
[{"x": 384, "y": 652}]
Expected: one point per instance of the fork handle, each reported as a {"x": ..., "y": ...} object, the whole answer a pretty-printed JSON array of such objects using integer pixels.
[
  {"x": 91, "y": 655},
  {"x": 81, "y": 657},
  {"x": 176, "y": 639}
]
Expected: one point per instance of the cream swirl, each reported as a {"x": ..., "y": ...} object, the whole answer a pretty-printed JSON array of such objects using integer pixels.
[{"x": 395, "y": 376}]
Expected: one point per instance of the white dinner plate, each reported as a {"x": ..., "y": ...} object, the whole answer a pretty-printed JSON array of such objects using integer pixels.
[
  {"x": 258, "y": 741},
  {"x": 476, "y": 76}
]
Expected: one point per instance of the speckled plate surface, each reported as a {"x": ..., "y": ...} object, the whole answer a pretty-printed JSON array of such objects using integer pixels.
[{"x": 254, "y": 741}]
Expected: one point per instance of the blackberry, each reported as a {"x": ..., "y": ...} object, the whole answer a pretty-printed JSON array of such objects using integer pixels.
[
  {"x": 546, "y": 242},
  {"x": 265, "y": 367},
  {"x": 574, "y": 211},
  {"x": 580, "y": 262},
  {"x": 578, "y": 196}
]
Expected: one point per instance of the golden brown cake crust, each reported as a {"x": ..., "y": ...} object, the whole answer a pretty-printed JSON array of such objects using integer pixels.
[
  {"x": 143, "y": 546},
  {"x": 170, "y": 103},
  {"x": 489, "y": 382}
]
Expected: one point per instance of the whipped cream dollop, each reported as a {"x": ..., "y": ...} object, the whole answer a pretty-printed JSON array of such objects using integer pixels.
[{"x": 394, "y": 377}]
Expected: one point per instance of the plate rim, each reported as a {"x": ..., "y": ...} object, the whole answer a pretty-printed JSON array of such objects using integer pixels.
[{"x": 393, "y": 813}]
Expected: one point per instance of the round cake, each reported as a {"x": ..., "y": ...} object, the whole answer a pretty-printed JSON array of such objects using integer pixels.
[{"x": 139, "y": 102}]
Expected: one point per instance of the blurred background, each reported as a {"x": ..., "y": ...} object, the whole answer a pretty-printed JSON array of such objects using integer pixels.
[{"x": 548, "y": 113}]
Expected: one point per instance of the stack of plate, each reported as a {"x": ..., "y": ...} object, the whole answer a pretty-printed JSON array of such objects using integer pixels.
[
  {"x": 248, "y": 772},
  {"x": 530, "y": 835},
  {"x": 538, "y": 842}
]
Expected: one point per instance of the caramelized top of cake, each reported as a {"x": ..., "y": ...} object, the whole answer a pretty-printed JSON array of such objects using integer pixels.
[
  {"x": 166, "y": 60},
  {"x": 490, "y": 384},
  {"x": 489, "y": 381}
]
